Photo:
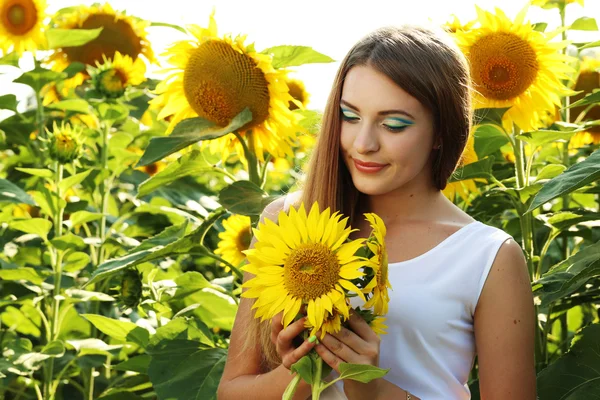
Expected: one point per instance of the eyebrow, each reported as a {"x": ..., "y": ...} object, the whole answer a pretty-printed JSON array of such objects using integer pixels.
[{"x": 386, "y": 112}]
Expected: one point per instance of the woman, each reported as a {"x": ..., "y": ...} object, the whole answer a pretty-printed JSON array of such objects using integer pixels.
[{"x": 393, "y": 131}]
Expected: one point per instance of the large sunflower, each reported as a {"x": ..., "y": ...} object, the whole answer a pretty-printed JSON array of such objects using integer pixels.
[
  {"x": 587, "y": 82},
  {"x": 235, "y": 239},
  {"x": 216, "y": 78},
  {"x": 303, "y": 260},
  {"x": 515, "y": 66},
  {"x": 120, "y": 33},
  {"x": 21, "y": 25},
  {"x": 378, "y": 287}
]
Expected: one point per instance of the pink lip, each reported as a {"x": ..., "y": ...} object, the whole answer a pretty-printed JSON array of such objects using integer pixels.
[{"x": 368, "y": 167}]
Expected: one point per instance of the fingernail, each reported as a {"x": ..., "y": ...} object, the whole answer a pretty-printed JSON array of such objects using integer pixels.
[{"x": 312, "y": 339}]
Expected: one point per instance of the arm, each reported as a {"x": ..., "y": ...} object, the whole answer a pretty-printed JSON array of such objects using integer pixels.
[
  {"x": 243, "y": 377},
  {"x": 504, "y": 329}
]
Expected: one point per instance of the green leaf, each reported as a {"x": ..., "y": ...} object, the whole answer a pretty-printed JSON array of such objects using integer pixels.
[
  {"x": 575, "y": 375},
  {"x": 189, "y": 164},
  {"x": 488, "y": 139},
  {"x": 38, "y": 78},
  {"x": 245, "y": 198},
  {"x": 584, "y": 24},
  {"x": 540, "y": 26},
  {"x": 72, "y": 69},
  {"x": 55, "y": 349},
  {"x": 137, "y": 364},
  {"x": 493, "y": 116},
  {"x": 361, "y": 372},
  {"x": 577, "y": 176},
  {"x": 176, "y": 27},
  {"x": 76, "y": 105},
  {"x": 540, "y": 138},
  {"x": 92, "y": 346},
  {"x": 565, "y": 219},
  {"x": 9, "y": 192},
  {"x": 41, "y": 172},
  {"x": 32, "y": 361},
  {"x": 591, "y": 98},
  {"x": 37, "y": 226},
  {"x": 112, "y": 111},
  {"x": 81, "y": 217},
  {"x": 73, "y": 180},
  {"x": 79, "y": 295},
  {"x": 68, "y": 241},
  {"x": 478, "y": 169},
  {"x": 311, "y": 121},
  {"x": 305, "y": 368},
  {"x": 187, "y": 132},
  {"x": 22, "y": 273},
  {"x": 169, "y": 235},
  {"x": 588, "y": 45},
  {"x": 8, "y": 102},
  {"x": 291, "y": 56},
  {"x": 48, "y": 201},
  {"x": 75, "y": 261},
  {"x": 183, "y": 328},
  {"x": 120, "y": 330},
  {"x": 70, "y": 37},
  {"x": 180, "y": 246},
  {"x": 550, "y": 171},
  {"x": 183, "y": 369},
  {"x": 10, "y": 59}
]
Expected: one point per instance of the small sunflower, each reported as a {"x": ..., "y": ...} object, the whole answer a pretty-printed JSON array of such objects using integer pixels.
[
  {"x": 331, "y": 324},
  {"x": 65, "y": 142},
  {"x": 300, "y": 96},
  {"x": 22, "y": 25},
  {"x": 216, "y": 79},
  {"x": 130, "y": 292},
  {"x": 378, "y": 325},
  {"x": 234, "y": 239},
  {"x": 464, "y": 188},
  {"x": 379, "y": 284},
  {"x": 303, "y": 260},
  {"x": 455, "y": 25},
  {"x": 587, "y": 82},
  {"x": 112, "y": 77},
  {"x": 515, "y": 66}
]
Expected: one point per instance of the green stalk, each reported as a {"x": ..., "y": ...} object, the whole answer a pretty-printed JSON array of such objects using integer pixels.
[
  {"x": 316, "y": 386},
  {"x": 57, "y": 269},
  {"x": 291, "y": 388},
  {"x": 105, "y": 190}
]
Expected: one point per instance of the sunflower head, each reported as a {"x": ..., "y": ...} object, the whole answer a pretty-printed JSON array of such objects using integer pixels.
[
  {"x": 234, "y": 239},
  {"x": 378, "y": 286},
  {"x": 303, "y": 260},
  {"x": 65, "y": 142},
  {"x": 120, "y": 33},
  {"x": 112, "y": 77},
  {"x": 332, "y": 323},
  {"x": 587, "y": 82},
  {"x": 130, "y": 292},
  {"x": 216, "y": 78},
  {"x": 300, "y": 96},
  {"x": 514, "y": 66},
  {"x": 21, "y": 25}
]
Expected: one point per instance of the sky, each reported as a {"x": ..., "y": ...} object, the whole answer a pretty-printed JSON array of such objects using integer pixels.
[{"x": 328, "y": 26}]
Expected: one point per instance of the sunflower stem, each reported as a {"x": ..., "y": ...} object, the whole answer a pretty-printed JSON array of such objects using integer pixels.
[
  {"x": 105, "y": 190},
  {"x": 316, "y": 386},
  {"x": 291, "y": 388}
]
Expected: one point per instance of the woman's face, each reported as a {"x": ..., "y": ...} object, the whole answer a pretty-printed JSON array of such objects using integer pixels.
[{"x": 383, "y": 124}]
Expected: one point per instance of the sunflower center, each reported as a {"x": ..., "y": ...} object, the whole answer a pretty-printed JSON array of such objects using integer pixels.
[
  {"x": 503, "y": 65},
  {"x": 116, "y": 35},
  {"x": 310, "y": 271},
  {"x": 243, "y": 240},
  {"x": 19, "y": 16},
  {"x": 112, "y": 81},
  {"x": 587, "y": 82},
  {"x": 219, "y": 82}
]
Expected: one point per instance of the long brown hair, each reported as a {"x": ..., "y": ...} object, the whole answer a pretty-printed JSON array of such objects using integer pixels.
[{"x": 427, "y": 65}]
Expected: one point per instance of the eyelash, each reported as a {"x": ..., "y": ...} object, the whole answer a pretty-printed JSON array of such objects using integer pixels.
[{"x": 389, "y": 128}]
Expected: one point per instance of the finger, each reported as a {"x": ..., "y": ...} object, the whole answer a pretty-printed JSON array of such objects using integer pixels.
[
  {"x": 330, "y": 359},
  {"x": 276, "y": 327},
  {"x": 361, "y": 328},
  {"x": 285, "y": 337},
  {"x": 338, "y": 348},
  {"x": 294, "y": 356},
  {"x": 351, "y": 339}
]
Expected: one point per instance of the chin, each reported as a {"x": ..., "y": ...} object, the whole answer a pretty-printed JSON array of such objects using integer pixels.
[{"x": 372, "y": 187}]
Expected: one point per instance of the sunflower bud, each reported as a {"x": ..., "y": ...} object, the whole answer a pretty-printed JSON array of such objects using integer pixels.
[
  {"x": 112, "y": 78},
  {"x": 131, "y": 288},
  {"x": 65, "y": 143}
]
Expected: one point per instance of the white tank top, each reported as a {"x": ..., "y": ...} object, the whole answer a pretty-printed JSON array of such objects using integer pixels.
[{"x": 430, "y": 344}]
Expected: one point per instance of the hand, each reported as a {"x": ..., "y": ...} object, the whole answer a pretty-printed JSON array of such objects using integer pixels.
[
  {"x": 283, "y": 340},
  {"x": 357, "y": 345}
]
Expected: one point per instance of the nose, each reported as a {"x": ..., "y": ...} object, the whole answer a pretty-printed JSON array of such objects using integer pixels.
[{"x": 366, "y": 140}]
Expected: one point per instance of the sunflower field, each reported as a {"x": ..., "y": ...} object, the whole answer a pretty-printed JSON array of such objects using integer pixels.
[{"x": 126, "y": 201}]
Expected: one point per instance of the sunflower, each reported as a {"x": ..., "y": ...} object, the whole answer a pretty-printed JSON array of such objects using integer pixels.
[
  {"x": 378, "y": 325},
  {"x": 216, "y": 79},
  {"x": 455, "y": 25},
  {"x": 21, "y": 25},
  {"x": 331, "y": 324},
  {"x": 299, "y": 94},
  {"x": 120, "y": 33},
  {"x": 112, "y": 77},
  {"x": 379, "y": 284},
  {"x": 234, "y": 239},
  {"x": 515, "y": 66},
  {"x": 542, "y": 3},
  {"x": 587, "y": 82},
  {"x": 303, "y": 260}
]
